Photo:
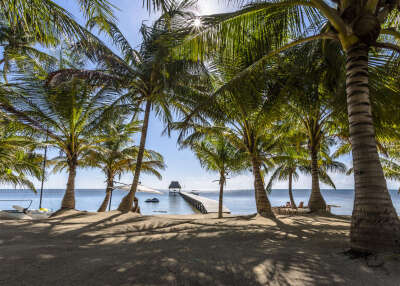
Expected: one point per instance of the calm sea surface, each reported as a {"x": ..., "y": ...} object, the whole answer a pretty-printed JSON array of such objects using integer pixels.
[{"x": 239, "y": 202}]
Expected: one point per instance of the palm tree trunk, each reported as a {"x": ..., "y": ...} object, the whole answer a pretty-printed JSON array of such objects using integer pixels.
[
  {"x": 68, "y": 201},
  {"x": 262, "y": 202},
  {"x": 127, "y": 201},
  {"x": 290, "y": 191},
  {"x": 110, "y": 187},
  {"x": 316, "y": 202},
  {"x": 221, "y": 194},
  {"x": 375, "y": 225}
]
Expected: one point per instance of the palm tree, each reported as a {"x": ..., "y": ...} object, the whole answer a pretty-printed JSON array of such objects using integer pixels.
[
  {"x": 150, "y": 73},
  {"x": 247, "y": 114},
  {"x": 287, "y": 162},
  {"x": 19, "y": 49},
  {"x": 47, "y": 22},
  {"x": 359, "y": 26},
  {"x": 313, "y": 103},
  {"x": 248, "y": 111},
  {"x": 17, "y": 156},
  {"x": 117, "y": 155},
  {"x": 218, "y": 155},
  {"x": 293, "y": 158},
  {"x": 69, "y": 114}
]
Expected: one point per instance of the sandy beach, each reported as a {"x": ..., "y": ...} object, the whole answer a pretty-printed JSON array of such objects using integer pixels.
[{"x": 80, "y": 248}]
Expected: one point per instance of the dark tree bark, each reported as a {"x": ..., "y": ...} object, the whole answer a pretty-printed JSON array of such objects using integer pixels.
[
  {"x": 262, "y": 202},
  {"x": 291, "y": 192},
  {"x": 68, "y": 201},
  {"x": 109, "y": 189},
  {"x": 221, "y": 194},
  {"x": 375, "y": 225},
  {"x": 127, "y": 201},
  {"x": 316, "y": 202}
]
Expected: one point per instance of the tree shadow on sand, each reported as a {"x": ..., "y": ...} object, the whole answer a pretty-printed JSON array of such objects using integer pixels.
[{"x": 156, "y": 250}]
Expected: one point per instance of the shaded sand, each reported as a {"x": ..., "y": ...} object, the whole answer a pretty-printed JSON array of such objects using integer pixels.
[{"x": 81, "y": 248}]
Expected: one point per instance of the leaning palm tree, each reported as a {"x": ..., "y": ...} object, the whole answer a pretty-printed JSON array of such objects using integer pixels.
[
  {"x": 117, "y": 155},
  {"x": 150, "y": 74},
  {"x": 218, "y": 155},
  {"x": 360, "y": 27},
  {"x": 68, "y": 114}
]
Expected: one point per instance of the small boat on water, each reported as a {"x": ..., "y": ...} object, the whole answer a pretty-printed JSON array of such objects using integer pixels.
[{"x": 153, "y": 200}]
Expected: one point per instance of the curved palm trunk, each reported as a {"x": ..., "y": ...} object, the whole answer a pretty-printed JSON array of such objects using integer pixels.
[
  {"x": 127, "y": 201},
  {"x": 262, "y": 202},
  {"x": 316, "y": 202},
  {"x": 375, "y": 225},
  {"x": 221, "y": 194},
  {"x": 68, "y": 201},
  {"x": 110, "y": 187},
  {"x": 290, "y": 191}
]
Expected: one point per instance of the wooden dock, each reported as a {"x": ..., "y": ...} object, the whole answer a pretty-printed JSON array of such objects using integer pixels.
[{"x": 204, "y": 205}]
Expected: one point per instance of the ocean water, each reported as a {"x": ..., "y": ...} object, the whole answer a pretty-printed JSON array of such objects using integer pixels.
[{"x": 238, "y": 201}]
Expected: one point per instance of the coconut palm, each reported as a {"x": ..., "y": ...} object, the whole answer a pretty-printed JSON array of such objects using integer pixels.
[
  {"x": 117, "y": 155},
  {"x": 47, "y": 22},
  {"x": 217, "y": 154},
  {"x": 248, "y": 111},
  {"x": 314, "y": 103},
  {"x": 248, "y": 115},
  {"x": 69, "y": 114},
  {"x": 19, "y": 50},
  {"x": 287, "y": 163},
  {"x": 291, "y": 159},
  {"x": 17, "y": 156},
  {"x": 360, "y": 27},
  {"x": 150, "y": 73}
]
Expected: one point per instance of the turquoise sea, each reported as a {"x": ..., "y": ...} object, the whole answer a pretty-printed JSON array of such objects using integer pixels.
[{"x": 238, "y": 201}]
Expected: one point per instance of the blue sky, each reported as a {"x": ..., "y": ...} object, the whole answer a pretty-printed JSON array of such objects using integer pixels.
[{"x": 181, "y": 164}]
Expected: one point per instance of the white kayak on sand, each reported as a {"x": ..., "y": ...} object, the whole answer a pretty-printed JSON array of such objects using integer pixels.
[
  {"x": 14, "y": 214},
  {"x": 23, "y": 213}
]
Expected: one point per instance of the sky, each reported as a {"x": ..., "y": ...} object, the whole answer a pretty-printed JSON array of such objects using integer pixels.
[{"x": 182, "y": 165}]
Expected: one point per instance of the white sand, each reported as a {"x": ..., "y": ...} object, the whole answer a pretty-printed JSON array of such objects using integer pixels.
[{"x": 80, "y": 248}]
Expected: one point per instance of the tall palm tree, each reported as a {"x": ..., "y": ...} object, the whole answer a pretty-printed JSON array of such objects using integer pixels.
[
  {"x": 247, "y": 110},
  {"x": 314, "y": 98},
  {"x": 247, "y": 115},
  {"x": 117, "y": 155},
  {"x": 218, "y": 155},
  {"x": 69, "y": 114},
  {"x": 150, "y": 73},
  {"x": 358, "y": 26}
]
